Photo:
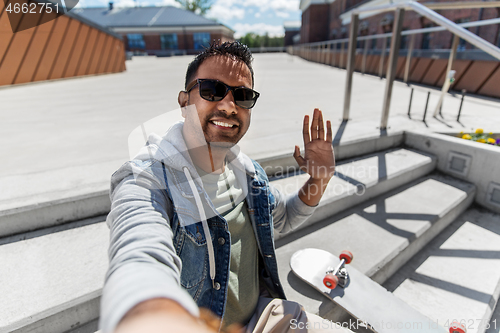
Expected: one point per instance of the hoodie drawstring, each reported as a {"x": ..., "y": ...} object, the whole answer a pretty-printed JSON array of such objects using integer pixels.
[{"x": 208, "y": 237}]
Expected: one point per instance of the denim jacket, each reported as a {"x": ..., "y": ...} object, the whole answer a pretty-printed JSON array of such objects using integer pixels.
[{"x": 160, "y": 248}]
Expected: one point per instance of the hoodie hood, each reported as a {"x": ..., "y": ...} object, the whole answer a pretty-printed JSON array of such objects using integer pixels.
[{"x": 184, "y": 183}]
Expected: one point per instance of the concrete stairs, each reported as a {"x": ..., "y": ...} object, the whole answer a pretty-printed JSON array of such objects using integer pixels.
[
  {"x": 388, "y": 206},
  {"x": 383, "y": 233},
  {"x": 456, "y": 275},
  {"x": 52, "y": 279}
]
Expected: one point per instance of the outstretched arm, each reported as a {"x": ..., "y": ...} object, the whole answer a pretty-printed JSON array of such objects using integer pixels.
[
  {"x": 318, "y": 160},
  {"x": 162, "y": 315}
]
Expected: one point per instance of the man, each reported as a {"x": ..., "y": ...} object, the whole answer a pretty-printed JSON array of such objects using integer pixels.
[{"x": 193, "y": 219}]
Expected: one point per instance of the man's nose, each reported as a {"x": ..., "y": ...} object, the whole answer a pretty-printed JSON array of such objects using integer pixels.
[{"x": 227, "y": 104}]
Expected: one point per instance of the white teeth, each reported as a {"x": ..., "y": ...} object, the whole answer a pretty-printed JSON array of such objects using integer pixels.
[{"x": 220, "y": 123}]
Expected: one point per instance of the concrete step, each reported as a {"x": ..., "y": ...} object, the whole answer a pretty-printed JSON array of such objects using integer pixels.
[
  {"x": 383, "y": 234},
  {"x": 457, "y": 275},
  {"x": 52, "y": 279},
  {"x": 494, "y": 325},
  {"x": 67, "y": 295},
  {"x": 53, "y": 197},
  {"x": 361, "y": 179},
  {"x": 48, "y": 198}
]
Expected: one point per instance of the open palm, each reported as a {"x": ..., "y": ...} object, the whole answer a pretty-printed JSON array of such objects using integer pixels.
[{"x": 318, "y": 160}]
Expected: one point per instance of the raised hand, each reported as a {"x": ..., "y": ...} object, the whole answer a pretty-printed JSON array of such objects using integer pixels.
[{"x": 318, "y": 160}]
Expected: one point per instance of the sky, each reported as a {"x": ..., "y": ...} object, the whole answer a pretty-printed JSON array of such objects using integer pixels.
[{"x": 257, "y": 16}]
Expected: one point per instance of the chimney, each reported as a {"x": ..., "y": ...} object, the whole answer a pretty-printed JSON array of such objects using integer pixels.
[{"x": 110, "y": 5}]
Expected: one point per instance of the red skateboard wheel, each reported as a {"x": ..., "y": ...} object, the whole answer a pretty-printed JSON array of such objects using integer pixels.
[
  {"x": 330, "y": 281},
  {"x": 457, "y": 327},
  {"x": 347, "y": 256}
]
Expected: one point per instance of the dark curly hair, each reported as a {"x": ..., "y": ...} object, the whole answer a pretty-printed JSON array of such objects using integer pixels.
[{"x": 234, "y": 50}]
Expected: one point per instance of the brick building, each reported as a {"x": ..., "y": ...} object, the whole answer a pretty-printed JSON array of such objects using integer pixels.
[
  {"x": 42, "y": 45},
  {"x": 159, "y": 30},
  {"x": 330, "y": 19},
  {"x": 292, "y": 32},
  {"x": 476, "y": 72}
]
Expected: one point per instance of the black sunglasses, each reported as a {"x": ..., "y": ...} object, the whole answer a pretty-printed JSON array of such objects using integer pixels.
[{"x": 215, "y": 90}]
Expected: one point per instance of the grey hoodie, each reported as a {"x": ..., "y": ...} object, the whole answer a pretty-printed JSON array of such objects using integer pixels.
[{"x": 143, "y": 261}]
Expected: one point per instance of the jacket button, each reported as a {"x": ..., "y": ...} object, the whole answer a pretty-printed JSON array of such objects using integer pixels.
[
  {"x": 222, "y": 241},
  {"x": 217, "y": 285}
]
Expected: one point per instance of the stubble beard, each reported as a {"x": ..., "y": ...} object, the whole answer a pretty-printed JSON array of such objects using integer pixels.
[{"x": 219, "y": 140}]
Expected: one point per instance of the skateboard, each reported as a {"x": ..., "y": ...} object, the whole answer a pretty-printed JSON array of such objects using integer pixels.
[{"x": 360, "y": 296}]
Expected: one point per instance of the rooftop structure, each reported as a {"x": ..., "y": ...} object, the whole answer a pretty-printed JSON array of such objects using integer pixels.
[
  {"x": 292, "y": 32},
  {"x": 64, "y": 45},
  {"x": 159, "y": 30}
]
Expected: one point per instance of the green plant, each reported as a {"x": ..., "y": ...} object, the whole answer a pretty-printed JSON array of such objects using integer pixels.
[{"x": 481, "y": 137}]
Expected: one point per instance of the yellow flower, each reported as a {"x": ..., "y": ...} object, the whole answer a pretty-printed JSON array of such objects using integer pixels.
[
  {"x": 491, "y": 140},
  {"x": 491, "y": 133},
  {"x": 479, "y": 131},
  {"x": 466, "y": 137},
  {"x": 481, "y": 140},
  {"x": 462, "y": 132}
]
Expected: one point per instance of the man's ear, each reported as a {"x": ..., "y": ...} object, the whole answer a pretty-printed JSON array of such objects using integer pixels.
[{"x": 183, "y": 99}]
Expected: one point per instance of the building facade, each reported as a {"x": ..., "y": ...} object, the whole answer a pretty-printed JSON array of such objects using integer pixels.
[
  {"x": 160, "y": 31},
  {"x": 330, "y": 19},
  {"x": 292, "y": 32},
  {"x": 476, "y": 72},
  {"x": 42, "y": 45}
]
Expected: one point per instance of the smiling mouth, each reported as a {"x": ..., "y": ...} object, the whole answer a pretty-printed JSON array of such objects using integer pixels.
[{"x": 222, "y": 124}]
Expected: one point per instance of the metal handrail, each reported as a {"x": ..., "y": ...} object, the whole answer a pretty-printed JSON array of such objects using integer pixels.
[
  {"x": 405, "y": 32},
  {"x": 456, "y": 29},
  {"x": 461, "y": 5},
  {"x": 430, "y": 5}
]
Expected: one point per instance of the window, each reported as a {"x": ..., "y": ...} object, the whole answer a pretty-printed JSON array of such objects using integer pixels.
[
  {"x": 426, "y": 38},
  {"x": 169, "y": 42},
  {"x": 201, "y": 39},
  {"x": 462, "y": 43},
  {"x": 136, "y": 41}
]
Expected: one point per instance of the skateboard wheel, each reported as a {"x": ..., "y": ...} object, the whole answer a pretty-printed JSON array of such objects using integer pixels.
[
  {"x": 330, "y": 281},
  {"x": 347, "y": 256},
  {"x": 457, "y": 327}
]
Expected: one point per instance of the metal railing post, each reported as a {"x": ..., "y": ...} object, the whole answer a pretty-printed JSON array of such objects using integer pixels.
[
  {"x": 409, "y": 105},
  {"x": 446, "y": 84},
  {"x": 365, "y": 51},
  {"x": 426, "y": 104},
  {"x": 350, "y": 64},
  {"x": 382, "y": 58},
  {"x": 391, "y": 68},
  {"x": 341, "y": 55},
  {"x": 408, "y": 58},
  {"x": 329, "y": 54},
  {"x": 461, "y": 104},
  {"x": 335, "y": 63}
]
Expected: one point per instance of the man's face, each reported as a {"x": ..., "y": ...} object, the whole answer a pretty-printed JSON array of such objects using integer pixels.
[{"x": 214, "y": 117}]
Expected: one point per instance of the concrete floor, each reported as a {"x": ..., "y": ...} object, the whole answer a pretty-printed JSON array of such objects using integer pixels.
[{"x": 68, "y": 133}]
